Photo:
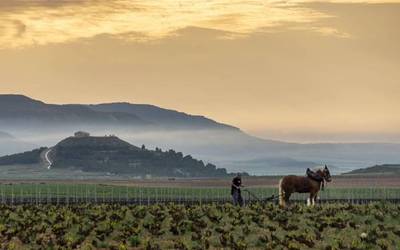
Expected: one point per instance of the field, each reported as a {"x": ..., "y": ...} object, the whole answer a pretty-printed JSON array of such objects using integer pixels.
[
  {"x": 355, "y": 213},
  {"x": 61, "y": 193},
  {"x": 210, "y": 226},
  {"x": 186, "y": 191}
]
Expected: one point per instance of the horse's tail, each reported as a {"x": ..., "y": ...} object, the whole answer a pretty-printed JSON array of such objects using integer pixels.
[{"x": 281, "y": 194}]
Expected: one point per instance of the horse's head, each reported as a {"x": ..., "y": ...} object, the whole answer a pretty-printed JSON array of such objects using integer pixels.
[{"x": 326, "y": 174}]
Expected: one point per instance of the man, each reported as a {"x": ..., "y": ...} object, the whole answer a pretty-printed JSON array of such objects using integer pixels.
[{"x": 235, "y": 190}]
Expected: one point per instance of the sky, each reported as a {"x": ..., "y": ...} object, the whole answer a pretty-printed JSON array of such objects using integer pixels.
[{"x": 296, "y": 70}]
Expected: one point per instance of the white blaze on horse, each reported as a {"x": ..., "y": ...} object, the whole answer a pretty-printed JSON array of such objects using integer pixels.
[{"x": 303, "y": 184}]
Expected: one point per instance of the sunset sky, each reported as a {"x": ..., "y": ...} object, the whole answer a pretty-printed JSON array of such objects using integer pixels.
[{"x": 291, "y": 70}]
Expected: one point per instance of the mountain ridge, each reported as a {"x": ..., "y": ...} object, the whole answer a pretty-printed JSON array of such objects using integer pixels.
[
  {"x": 46, "y": 124},
  {"x": 20, "y": 107},
  {"x": 156, "y": 114},
  {"x": 14, "y": 108}
]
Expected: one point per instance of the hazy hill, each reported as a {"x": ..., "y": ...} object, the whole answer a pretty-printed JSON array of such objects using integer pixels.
[
  {"x": 112, "y": 155},
  {"x": 385, "y": 169},
  {"x": 6, "y": 136},
  {"x": 165, "y": 118},
  {"x": 9, "y": 144},
  {"x": 275, "y": 165},
  {"x": 46, "y": 124},
  {"x": 136, "y": 123},
  {"x": 21, "y": 111}
]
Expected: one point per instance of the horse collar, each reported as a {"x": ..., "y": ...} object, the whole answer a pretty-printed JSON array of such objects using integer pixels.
[{"x": 314, "y": 176}]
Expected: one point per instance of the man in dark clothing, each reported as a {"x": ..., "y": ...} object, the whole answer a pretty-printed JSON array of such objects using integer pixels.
[{"x": 235, "y": 190}]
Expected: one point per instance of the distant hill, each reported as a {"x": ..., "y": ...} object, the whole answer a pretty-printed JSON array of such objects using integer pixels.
[
  {"x": 163, "y": 117},
  {"x": 385, "y": 169},
  {"x": 28, "y": 157},
  {"x": 110, "y": 154},
  {"x": 203, "y": 138},
  {"x": 276, "y": 166},
  {"x": 21, "y": 111},
  {"x": 6, "y": 136},
  {"x": 9, "y": 144}
]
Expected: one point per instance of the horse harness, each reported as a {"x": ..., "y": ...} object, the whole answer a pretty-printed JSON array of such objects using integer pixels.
[{"x": 316, "y": 177}]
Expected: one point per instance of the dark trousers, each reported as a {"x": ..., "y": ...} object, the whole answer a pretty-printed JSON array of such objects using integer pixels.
[{"x": 237, "y": 198}]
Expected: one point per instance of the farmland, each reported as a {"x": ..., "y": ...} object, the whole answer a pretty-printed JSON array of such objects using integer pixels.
[
  {"x": 210, "y": 226},
  {"x": 62, "y": 193},
  {"x": 355, "y": 213},
  {"x": 186, "y": 191}
]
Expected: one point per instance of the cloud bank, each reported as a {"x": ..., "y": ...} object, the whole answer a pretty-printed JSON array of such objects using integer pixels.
[{"x": 28, "y": 23}]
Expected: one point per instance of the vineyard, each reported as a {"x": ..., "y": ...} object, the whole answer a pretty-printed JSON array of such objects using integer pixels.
[
  {"x": 99, "y": 216},
  {"x": 41, "y": 193},
  {"x": 209, "y": 226}
]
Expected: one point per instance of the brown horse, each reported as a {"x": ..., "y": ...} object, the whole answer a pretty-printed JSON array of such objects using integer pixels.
[{"x": 301, "y": 184}]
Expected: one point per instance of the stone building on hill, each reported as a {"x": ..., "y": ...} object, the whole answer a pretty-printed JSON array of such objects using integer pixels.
[{"x": 81, "y": 134}]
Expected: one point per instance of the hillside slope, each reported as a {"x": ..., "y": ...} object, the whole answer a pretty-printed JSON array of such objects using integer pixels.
[
  {"x": 6, "y": 136},
  {"x": 112, "y": 155},
  {"x": 385, "y": 169},
  {"x": 28, "y": 157},
  {"x": 165, "y": 118},
  {"x": 9, "y": 144},
  {"x": 203, "y": 138},
  {"x": 22, "y": 111}
]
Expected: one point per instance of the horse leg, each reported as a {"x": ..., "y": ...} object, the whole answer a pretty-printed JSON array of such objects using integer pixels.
[
  {"x": 309, "y": 200},
  {"x": 315, "y": 198},
  {"x": 282, "y": 200},
  {"x": 287, "y": 197}
]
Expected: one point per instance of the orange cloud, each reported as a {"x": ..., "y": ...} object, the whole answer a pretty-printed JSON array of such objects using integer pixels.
[{"x": 28, "y": 23}]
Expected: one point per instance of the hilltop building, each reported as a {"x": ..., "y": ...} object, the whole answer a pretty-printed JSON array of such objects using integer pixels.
[{"x": 81, "y": 134}]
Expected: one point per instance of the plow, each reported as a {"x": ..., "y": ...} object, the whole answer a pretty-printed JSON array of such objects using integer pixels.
[{"x": 255, "y": 197}]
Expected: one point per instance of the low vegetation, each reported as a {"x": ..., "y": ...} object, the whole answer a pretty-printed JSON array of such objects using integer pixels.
[
  {"x": 258, "y": 226},
  {"x": 29, "y": 157}
]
